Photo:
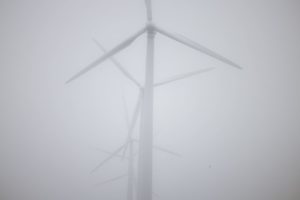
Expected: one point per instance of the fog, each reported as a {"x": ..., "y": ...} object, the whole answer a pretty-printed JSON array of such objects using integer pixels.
[{"x": 237, "y": 131}]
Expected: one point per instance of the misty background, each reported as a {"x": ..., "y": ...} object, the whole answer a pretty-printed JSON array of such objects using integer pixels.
[{"x": 237, "y": 130}]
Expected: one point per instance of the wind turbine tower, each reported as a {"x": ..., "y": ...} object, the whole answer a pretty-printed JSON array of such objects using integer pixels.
[
  {"x": 128, "y": 144},
  {"x": 144, "y": 188}
]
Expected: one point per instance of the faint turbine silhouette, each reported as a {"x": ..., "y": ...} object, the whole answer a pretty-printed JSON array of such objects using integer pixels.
[{"x": 144, "y": 188}]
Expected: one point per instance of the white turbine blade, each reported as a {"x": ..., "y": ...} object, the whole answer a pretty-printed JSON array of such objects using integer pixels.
[
  {"x": 162, "y": 149},
  {"x": 183, "y": 76},
  {"x": 110, "y": 53},
  {"x": 112, "y": 180},
  {"x": 114, "y": 154},
  {"x": 124, "y": 151},
  {"x": 196, "y": 46},
  {"x": 133, "y": 121},
  {"x": 166, "y": 151},
  {"x": 125, "y": 108},
  {"x": 119, "y": 66},
  {"x": 135, "y": 114},
  {"x": 149, "y": 9}
]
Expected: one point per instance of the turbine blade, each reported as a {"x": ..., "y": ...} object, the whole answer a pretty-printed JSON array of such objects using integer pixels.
[
  {"x": 149, "y": 9},
  {"x": 114, "y": 154},
  {"x": 125, "y": 108},
  {"x": 111, "y": 180},
  {"x": 196, "y": 46},
  {"x": 118, "y": 65},
  {"x": 166, "y": 151},
  {"x": 133, "y": 121},
  {"x": 162, "y": 149},
  {"x": 135, "y": 114},
  {"x": 124, "y": 151},
  {"x": 110, "y": 53},
  {"x": 183, "y": 76}
]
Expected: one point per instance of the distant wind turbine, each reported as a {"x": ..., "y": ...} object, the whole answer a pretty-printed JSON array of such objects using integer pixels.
[
  {"x": 144, "y": 188},
  {"x": 128, "y": 144}
]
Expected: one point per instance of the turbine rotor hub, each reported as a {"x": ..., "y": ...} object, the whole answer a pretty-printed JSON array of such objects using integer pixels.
[{"x": 151, "y": 27}]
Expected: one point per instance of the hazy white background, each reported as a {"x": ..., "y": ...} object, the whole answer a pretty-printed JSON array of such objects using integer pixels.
[{"x": 237, "y": 131}]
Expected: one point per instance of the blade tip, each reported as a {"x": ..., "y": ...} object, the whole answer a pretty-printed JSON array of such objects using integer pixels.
[
  {"x": 239, "y": 67},
  {"x": 236, "y": 65},
  {"x": 69, "y": 81}
]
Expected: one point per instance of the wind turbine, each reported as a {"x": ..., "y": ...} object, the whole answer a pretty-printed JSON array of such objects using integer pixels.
[
  {"x": 131, "y": 157},
  {"x": 129, "y": 143},
  {"x": 144, "y": 189}
]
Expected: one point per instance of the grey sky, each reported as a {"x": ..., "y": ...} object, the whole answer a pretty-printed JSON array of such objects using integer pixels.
[{"x": 238, "y": 130}]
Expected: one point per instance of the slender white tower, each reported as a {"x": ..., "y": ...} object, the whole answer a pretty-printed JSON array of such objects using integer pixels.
[
  {"x": 130, "y": 185},
  {"x": 144, "y": 191}
]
